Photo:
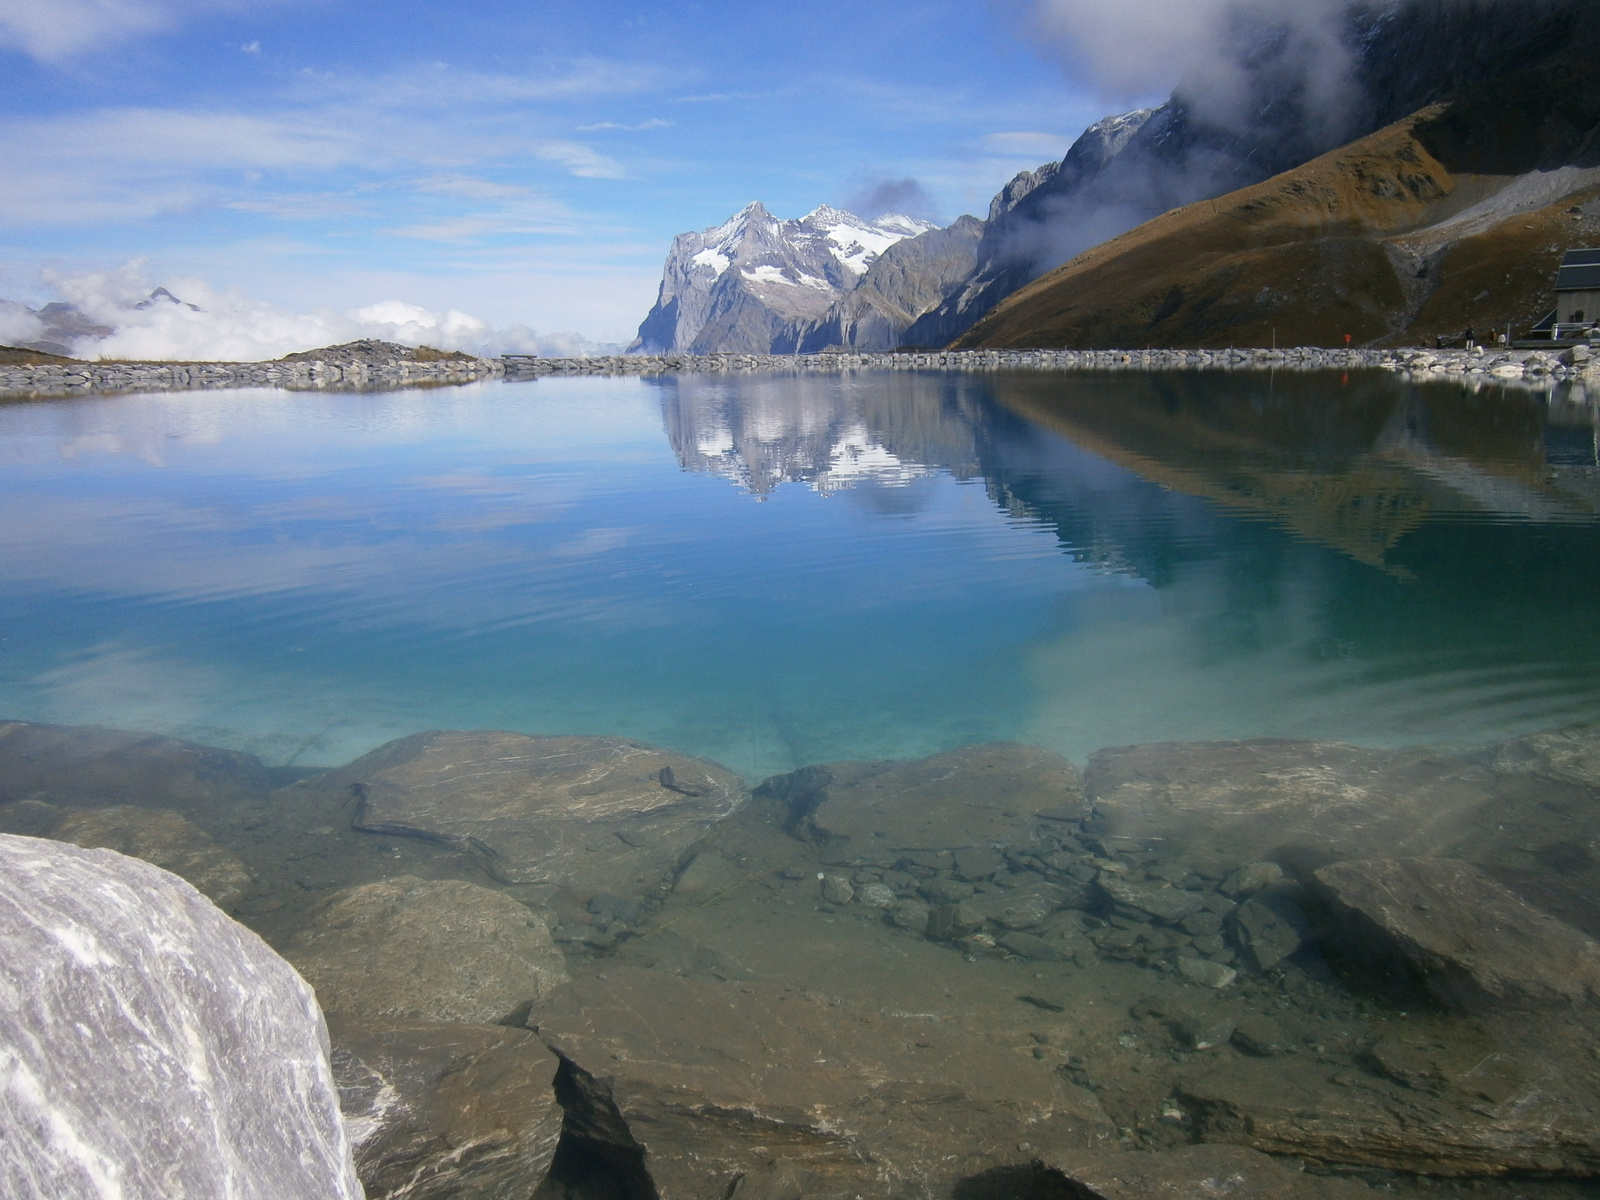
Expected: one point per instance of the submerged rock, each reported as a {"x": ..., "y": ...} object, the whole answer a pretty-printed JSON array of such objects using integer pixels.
[
  {"x": 411, "y": 949},
  {"x": 156, "y": 835},
  {"x": 88, "y": 765},
  {"x": 466, "y": 1112},
  {"x": 1190, "y": 1171},
  {"x": 1237, "y": 802},
  {"x": 1570, "y": 755},
  {"x": 1451, "y": 1102},
  {"x": 1473, "y": 943},
  {"x": 1154, "y": 898},
  {"x": 715, "y": 1080},
  {"x": 579, "y": 815},
  {"x": 1206, "y": 973},
  {"x": 1270, "y": 928},
  {"x": 150, "y": 1045},
  {"x": 971, "y": 800}
]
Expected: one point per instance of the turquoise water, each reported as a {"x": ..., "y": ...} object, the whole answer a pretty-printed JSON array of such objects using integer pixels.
[{"x": 772, "y": 571}]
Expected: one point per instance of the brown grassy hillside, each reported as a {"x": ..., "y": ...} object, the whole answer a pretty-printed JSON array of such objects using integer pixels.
[
  {"x": 12, "y": 356},
  {"x": 1453, "y": 217}
]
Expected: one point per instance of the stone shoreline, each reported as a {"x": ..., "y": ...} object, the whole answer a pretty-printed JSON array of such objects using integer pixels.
[
  {"x": 311, "y": 373},
  {"x": 570, "y": 967}
]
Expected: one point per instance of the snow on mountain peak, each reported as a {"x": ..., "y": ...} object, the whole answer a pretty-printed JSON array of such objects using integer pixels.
[
  {"x": 856, "y": 243},
  {"x": 794, "y": 269}
]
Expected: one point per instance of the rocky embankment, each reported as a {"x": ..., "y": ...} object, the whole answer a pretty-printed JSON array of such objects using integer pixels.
[
  {"x": 335, "y": 369},
  {"x": 1479, "y": 364},
  {"x": 355, "y": 366},
  {"x": 589, "y": 966}
]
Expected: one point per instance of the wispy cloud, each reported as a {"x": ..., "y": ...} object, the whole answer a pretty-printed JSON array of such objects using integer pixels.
[
  {"x": 469, "y": 186},
  {"x": 723, "y": 97},
  {"x": 229, "y": 324},
  {"x": 436, "y": 83},
  {"x": 1027, "y": 144},
  {"x": 652, "y": 123},
  {"x": 139, "y": 162},
  {"x": 52, "y": 29},
  {"x": 578, "y": 159}
]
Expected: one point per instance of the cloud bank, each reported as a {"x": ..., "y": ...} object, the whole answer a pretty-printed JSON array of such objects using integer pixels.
[
  {"x": 1212, "y": 52},
  {"x": 50, "y": 30},
  {"x": 204, "y": 324},
  {"x": 908, "y": 197}
]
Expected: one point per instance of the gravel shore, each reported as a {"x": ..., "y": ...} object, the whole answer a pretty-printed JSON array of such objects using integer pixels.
[{"x": 333, "y": 370}]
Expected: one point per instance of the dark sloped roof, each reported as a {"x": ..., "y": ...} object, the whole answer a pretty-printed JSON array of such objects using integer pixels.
[{"x": 1580, "y": 271}]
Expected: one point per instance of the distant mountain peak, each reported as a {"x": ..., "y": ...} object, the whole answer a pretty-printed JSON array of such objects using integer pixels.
[
  {"x": 162, "y": 296},
  {"x": 735, "y": 285}
]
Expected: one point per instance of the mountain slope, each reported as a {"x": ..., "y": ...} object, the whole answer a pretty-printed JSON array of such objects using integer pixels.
[
  {"x": 908, "y": 279},
  {"x": 1453, "y": 217},
  {"x": 735, "y": 287},
  {"x": 1405, "y": 56}
]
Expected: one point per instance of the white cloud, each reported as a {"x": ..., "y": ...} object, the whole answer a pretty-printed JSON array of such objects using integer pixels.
[
  {"x": 469, "y": 186},
  {"x": 579, "y": 159},
  {"x": 53, "y": 30},
  {"x": 1136, "y": 52},
  {"x": 136, "y": 163},
  {"x": 230, "y": 326},
  {"x": 652, "y": 123},
  {"x": 439, "y": 83},
  {"x": 18, "y": 324}
]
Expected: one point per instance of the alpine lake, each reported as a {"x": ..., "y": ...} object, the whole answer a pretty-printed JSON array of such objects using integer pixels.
[{"x": 867, "y": 784}]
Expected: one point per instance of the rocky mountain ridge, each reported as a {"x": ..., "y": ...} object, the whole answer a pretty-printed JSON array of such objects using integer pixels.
[
  {"x": 1127, "y": 170},
  {"x": 1454, "y": 217},
  {"x": 736, "y": 286},
  {"x": 1130, "y": 168}
]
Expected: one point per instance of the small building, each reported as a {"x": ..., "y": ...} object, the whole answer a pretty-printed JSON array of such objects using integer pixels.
[{"x": 1578, "y": 288}]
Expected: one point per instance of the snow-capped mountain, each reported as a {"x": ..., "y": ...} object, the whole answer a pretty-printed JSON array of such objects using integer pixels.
[{"x": 736, "y": 286}]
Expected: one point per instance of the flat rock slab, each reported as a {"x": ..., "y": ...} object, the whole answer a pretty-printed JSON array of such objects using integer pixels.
[
  {"x": 88, "y": 765},
  {"x": 1233, "y": 802},
  {"x": 584, "y": 815},
  {"x": 150, "y": 1045},
  {"x": 1476, "y": 944},
  {"x": 466, "y": 1112},
  {"x": 1193, "y": 1171},
  {"x": 975, "y": 797},
  {"x": 1570, "y": 755},
  {"x": 715, "y": 1079},
  {"x": 1509, "y": 1109},
  {"x": 156, "y": 835},
  {"x": 411, "y": 949}
]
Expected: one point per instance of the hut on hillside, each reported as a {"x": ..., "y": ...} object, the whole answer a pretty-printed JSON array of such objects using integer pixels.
[{"x": 1578, "y": 288}]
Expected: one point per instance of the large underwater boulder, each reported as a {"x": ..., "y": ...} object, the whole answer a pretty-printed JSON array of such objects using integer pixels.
[
  {"x": 409, "y": 949},
  {"x": 576, "y": 816}
]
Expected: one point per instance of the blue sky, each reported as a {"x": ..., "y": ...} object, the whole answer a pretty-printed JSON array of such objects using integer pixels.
[{"x": 525, "y": 163}]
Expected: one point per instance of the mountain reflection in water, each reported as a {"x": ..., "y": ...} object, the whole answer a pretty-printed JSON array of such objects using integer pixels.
[
  {"x": 1465, "y": 572},
  {"x": 807, "y": 567},
  {"x": 943, "y": 972}
]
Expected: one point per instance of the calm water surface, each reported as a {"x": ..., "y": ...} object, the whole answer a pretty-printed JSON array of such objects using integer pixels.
[{"x": 772, "y": 571}]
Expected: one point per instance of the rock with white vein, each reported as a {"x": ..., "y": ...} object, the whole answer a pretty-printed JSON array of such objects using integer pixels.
[{"x": 150, "y": 1046}]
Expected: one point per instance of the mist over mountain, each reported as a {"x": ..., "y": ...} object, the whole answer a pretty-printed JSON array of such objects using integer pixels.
[
  {"x": 1268, "y": 88},
  {"x": 119, "y": 315},
  {"x": 1268, "y": 85},
  {"x": 1453, "y": 217}
]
